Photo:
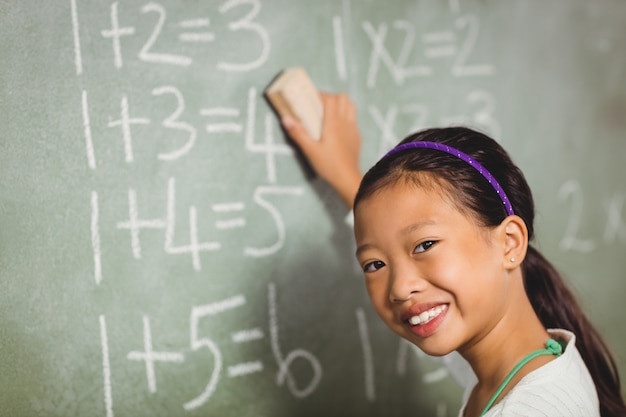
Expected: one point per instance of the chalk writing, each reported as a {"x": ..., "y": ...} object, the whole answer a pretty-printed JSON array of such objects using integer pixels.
[
  {"x": 125, "y": 122},
  {"x": 615, "y": 230},
  {"x": 205, "y": 344},
  {"x": 173, "y": 122},
  {"x": 340, "y": 55},
  {"x": 194, "y": 31},
  {"x": 368, "y": 357},
  {"x": 461, "y": 67},
  {"x": 437, "y": 45},
  {"x": 95, "y": 238},
  {"x": 276, "y": 217},
  {"x": 247, "y": 23},
  {"x": 284, "y": 362},
  {"x": 149, "y": 356},
  {"x": 146, "y": 54},
  {"x": 106, "y": 367},
  {"x": 615, "y": 226},
  {"x": 398, "y": 69},
  {"x": 91, "y": 158},
  {"x": 197, "y": 313},
  {"x": 418, "y": 116}
]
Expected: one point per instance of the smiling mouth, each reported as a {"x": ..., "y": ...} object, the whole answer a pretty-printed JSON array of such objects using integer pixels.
[{"x": 426, "y": 316}]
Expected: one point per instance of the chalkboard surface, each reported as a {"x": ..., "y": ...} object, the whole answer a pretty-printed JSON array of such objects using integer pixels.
[{"x": 165, "y": 252}]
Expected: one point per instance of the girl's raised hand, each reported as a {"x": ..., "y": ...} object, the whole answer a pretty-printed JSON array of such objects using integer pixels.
[{"x": 335, "y": 157}]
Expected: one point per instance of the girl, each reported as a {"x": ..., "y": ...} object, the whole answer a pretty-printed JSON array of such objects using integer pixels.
[{"x": 442, "y": 226}]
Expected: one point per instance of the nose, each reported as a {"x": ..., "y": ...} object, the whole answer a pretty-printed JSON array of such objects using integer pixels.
[{"x": 405, "y": 282}]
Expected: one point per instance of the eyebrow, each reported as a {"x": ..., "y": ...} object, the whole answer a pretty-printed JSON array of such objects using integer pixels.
[
  {"x": 418, "y": 225},
  {"x": 362, "y": 248},
  {"x": 407, "y": 230}
]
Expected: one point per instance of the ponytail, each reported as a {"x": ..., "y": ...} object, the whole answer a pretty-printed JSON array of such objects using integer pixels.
[{"x": 557, "y": 307}]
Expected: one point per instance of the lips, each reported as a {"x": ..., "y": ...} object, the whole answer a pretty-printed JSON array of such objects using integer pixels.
[
  {"x": 424, "y": 320},
  {"x": 426, "y": 316}
]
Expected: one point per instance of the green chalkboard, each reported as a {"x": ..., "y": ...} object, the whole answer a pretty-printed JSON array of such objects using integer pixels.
[{"x": 165, "y": 252}]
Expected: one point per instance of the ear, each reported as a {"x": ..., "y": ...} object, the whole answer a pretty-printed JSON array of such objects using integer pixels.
[{"x": 515, "y": 235}]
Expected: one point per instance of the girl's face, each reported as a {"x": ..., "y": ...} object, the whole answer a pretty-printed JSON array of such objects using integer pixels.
[{"x": 433, "y": 275}]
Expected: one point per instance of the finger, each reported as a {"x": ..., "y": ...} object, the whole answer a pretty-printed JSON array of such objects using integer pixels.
[
  {"x": 330, "y": 102},
  {"x": 297, "y": 132},
  {"x": 346, "y": 106}
]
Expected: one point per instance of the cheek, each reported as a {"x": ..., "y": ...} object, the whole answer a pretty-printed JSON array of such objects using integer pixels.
[
  {"x": 475, "y": 282},
  {"x": 459, "y": 268},
  {"x": 375, "y": 290},
  {"x": 446, "y": 274}
]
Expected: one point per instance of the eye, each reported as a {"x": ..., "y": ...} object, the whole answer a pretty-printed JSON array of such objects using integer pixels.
[
  {"x": 424, "y": 246},
  {"x": 373, "y": 266}
]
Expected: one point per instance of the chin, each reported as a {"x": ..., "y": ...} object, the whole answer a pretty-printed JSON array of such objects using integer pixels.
[
  {"x": 429, "y": 346},
  {"x": 436, "y": 352}
]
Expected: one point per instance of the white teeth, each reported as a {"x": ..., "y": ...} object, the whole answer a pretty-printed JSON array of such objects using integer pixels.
[{"x": 426, "y": 316}]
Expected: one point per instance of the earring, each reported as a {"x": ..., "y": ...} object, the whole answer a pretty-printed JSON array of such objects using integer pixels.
[{"x": 512, "y": 260}]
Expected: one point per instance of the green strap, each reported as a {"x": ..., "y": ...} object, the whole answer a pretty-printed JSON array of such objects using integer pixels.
[{"x": 552, "y": 348}]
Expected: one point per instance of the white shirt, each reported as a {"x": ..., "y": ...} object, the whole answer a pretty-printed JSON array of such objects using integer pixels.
[{"x": 561, "y": 388}]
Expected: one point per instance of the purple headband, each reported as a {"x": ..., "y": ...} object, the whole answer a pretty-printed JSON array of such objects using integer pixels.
[{"x": 464, "y": 157}]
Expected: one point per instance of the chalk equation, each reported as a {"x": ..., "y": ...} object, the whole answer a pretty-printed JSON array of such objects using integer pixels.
[
  {"x": 151, "y": 357},
  {"x": 243, "y": 26},
  {"x": 135, "y": 224},
  {"x": 456, "y": 45}
]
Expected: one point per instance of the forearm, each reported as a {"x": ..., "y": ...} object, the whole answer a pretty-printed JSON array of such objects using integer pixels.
[{"x": 347, "y": 186}]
